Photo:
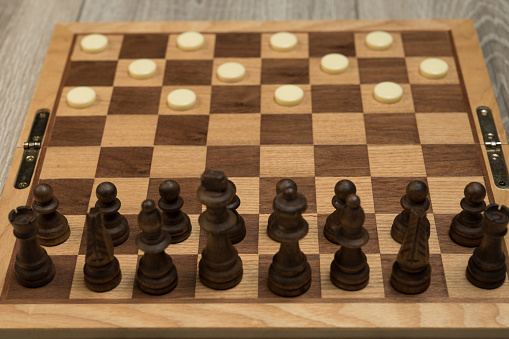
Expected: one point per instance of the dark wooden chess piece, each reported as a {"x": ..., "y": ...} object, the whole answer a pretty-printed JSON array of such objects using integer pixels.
[
  {"x": 33, "y": 266},
  {"x": 411, "y": 272},
  {"x": 175, "y": 222},
  {"x": 342, "y": 189},
  {"x": 416, "y": 197},
  {"x": 290, "y": 272},
  {"x": 156, "y": 273},
  {"x": 238, "y": 232},
  {"x": 115, "y": 223},
  {"x": 467, "y": 226},
  {"x": 53, "y": 226},
  {"x": 486, "y": 267},
  {"x": 101, "y": 269},
  {"x": 280, "y": 187},
  {"x": 350, "y": 269},
  {"x": 220, "y": 266}
]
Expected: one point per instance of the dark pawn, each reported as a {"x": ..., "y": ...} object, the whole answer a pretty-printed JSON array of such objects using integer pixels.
[
  {"x": 102, "y": 270},
  {"x": 33, "y": 266},
  {"x": 467, "y": 226},
  {"x": 156, "y": 273},
  {"x": 53, "y": 226},
  {"x": 350, "y": 269},
  {"x": 175, "y": 222},
  {"x": 342, "y": 189},
  {"x": 238, "y": 232},
  {"x": 220, "y": 266},
  {"x": 289, "y": 273},
  {"x": 486, "y": 267},
  {"x": 411, "y": 272},
  {"x": 280, "y": 187},
  {"x": 115, "y": 223},
  {"x": 416, "y": 197}
]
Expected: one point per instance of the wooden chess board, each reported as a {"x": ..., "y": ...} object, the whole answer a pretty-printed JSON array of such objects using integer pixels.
[{"x": 133, "y": 139}]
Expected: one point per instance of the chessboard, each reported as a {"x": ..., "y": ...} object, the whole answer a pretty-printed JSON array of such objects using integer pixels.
[{"x": 132, "y": 138}]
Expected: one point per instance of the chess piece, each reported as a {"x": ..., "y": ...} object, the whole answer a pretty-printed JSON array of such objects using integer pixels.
[
  {"x": 53, "y": 226},
  {"x": 467, "y": 226},
  {"x": 486, "y": 267},
  {"x": 342, "y": 189},
  {"x": 220, "y": 266},
  {"x": 350, "y": 269},
  {"x": 115, "y": 223},
  {"x": 238, "y": 232},
  {"x": 411, "y": 272},
  {"x": 280, "y": 187},
  {"x": 175, "y": 222},
  {"x": 156, "y": 273},
  {"x": 33, "y": 266},
  {"x": 289, "y": 273},
  {"x": 101, "y": 269},
  {"x": 416, "y": 197}
]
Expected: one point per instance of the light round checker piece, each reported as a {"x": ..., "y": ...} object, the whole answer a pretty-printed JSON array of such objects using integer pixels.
[
  {"x": 231, "y": 72},
  {"x": 81, "y": 97},
  {"x": 433, "y": 68},
  {"x": 283, "y": 41},
  {"x": 142, "y": 69},
  {"x": 289, "y": 95},
  {"x": 181, "y": 99},
  {"x": 379, "y": 40},
  {"x": 388, "y": 92},
  {"x": 94, "y": 43},
  {"x": 190, "y": 41},
  {"x": 334, "y": 63}
]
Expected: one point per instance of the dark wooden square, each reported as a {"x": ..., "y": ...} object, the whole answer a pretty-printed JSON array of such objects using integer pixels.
[
  {"x": 447, "y": 245},
  {"x": 182, "y": 130},
  {"x": 188, "y": 189},
  {"x": 135, "y": 100},
  {"x": 398, "y": 129},
  {"x": 375, "y": 70},
  {"x": 152, "y": 46},
  {"x": 73, "y": 194},
  {"x": 336, "y": 98},
  {"x": 452, "y": 160},
  {"x": 286, "y": 129},
  {"x": 188, "y": 72},
  {"x": 124, "y": 162},
  {"x": 238, "y": 45},
  {"x": 234, "y": 161},
  {"x": 387, "y": 193},
  {"x": 77, "y": 131},
  {"x": 325, "y": 43},
  {"x": 285, "y": 71},
  {"x": 341, "y": 161},
  {"x": 427, "y": 44},
  {"x": 438, "y": 98},
  {"x": 235, "y": 99},
  {"x": 91, "y": 73},
  {"x": 305, "y": 186}
]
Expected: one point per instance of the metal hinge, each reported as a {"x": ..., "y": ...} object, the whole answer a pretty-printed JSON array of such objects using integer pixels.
[{"x": 31, "y": 149}]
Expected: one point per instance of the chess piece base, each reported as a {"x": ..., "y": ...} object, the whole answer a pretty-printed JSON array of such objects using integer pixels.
[
  {"x": 349, "y": 281},
  {"x": 221, "y": 279},
  {"x": 238, "y": 232},
  {"x": 465, "y": 236},
  {"x": 180, "y": 231},
  {"x": 485, "y": 279},
  {"x": 328, "y": 230},
  {"x": 100, "y": 281},
  {"x": 410, "y": 283},
  {"x": 55, "y": 236},
  {"x": 398, "y": 229},
  {"x": 35, "y": 278},
  {"x": 159, "y": 285},
  {"x": 120, "y": 232},
  {"x": 289, "y": 286}
]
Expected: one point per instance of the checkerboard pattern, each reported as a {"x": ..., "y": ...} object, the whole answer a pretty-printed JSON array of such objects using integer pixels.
[{"x": 133, "y": 139}]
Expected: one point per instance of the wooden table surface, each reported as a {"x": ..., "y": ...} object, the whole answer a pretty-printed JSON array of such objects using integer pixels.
[{"x": 26, "y": 27}]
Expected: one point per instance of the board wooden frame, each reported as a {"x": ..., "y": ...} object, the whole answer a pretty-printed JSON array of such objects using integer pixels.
[{"x": 242, "y": 319}]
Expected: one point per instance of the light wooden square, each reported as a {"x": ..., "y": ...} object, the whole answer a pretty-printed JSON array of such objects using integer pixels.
[
  {"x": 110, "y": 53},
  {"x": 100, "y": 106},
  {"x": 130, "y": 191},
  {"x": 415, "y": 76},
  {"x": 202, "y": 105},
  {"x": 325, "y": 193},
  {"x": 339, "y": 129},
  {"x": 390, "y": 246},
  {"x": 129, "y": 130},
  {"x": 374, "y": 289},
  {"x": 72, "y": 245},
  {"x": 248, "y": 287},
  {"x": 178, "y": 161},
  {"x": 301, "y": 51},
  {"x": 396, "y": 161},
  {"x": 447, "y": 192},
  {"x": 70, "y": 162},
  {"x": 287, "y": 161},
  {"x": 270, "y": 106},
  {"x": 206, "y": 52},
  {"x": 234, "y": 129},
  {"x": 362, "y": 50},
  {"x": 190, "y": 245},
  {"x": 253, "y": 68},
  {"x": 248, "y": 191},
  {"x": 370, "y": 105},
  {"x": 122, "y": 77},
  {"x": 444, "y": 128},
  {"x": 318, "y": 77},
  {"x": 308, "y": 245},
  {"x": 124, "y": 290}
]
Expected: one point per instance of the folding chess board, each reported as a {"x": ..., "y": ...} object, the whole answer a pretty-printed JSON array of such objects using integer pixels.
[{"x": 133, "y": 139}]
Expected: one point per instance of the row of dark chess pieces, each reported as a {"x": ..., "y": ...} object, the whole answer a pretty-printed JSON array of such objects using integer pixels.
[{"x": 221, "y": 267}]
